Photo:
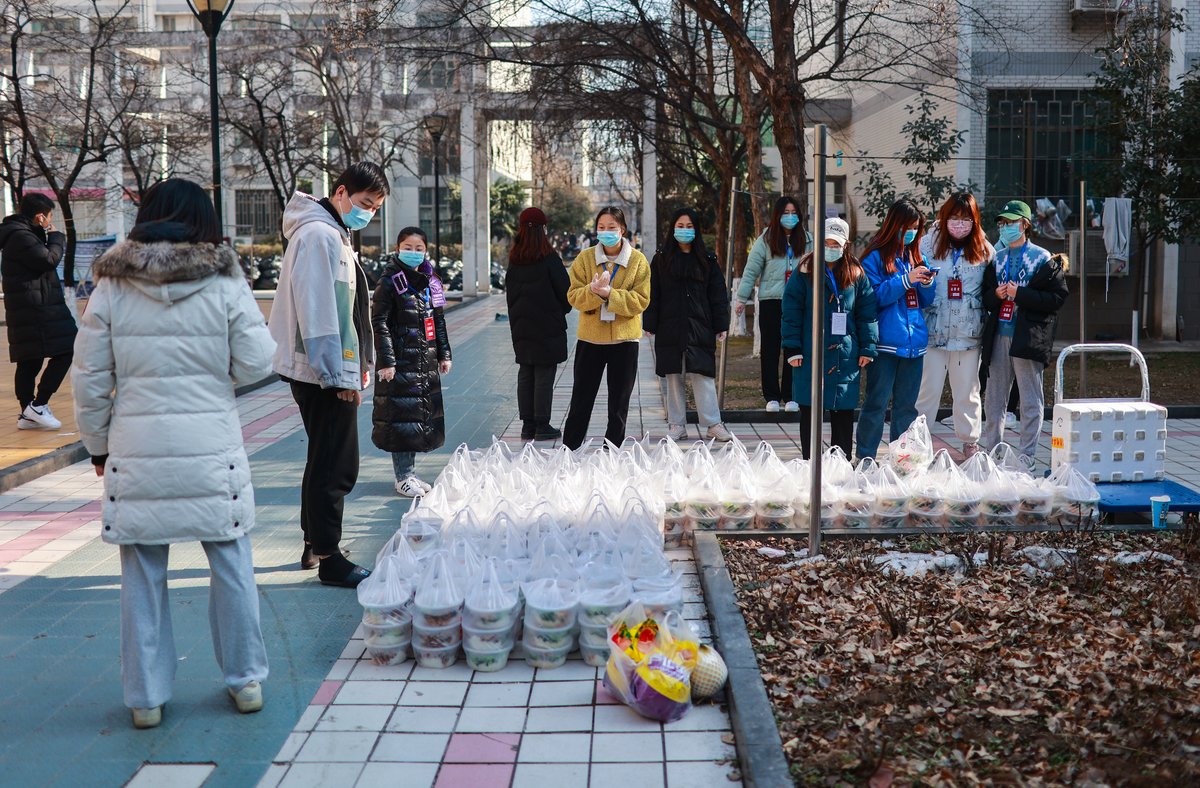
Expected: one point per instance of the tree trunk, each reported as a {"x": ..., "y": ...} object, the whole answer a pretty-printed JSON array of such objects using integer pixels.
[
  {"x": 723, "y": 195},
  {"x": 68, "y": 218},
  {"x": 787, "y": 115}
]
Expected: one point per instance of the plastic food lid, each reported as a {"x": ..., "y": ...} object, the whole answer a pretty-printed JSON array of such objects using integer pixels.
[{"x": 386, "y": 587}]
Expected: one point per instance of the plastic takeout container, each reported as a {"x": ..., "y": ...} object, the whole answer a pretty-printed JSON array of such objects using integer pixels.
[
  {"x": 487, "y": 661},
  {"x": 436, "y": 657},
  {"x": 437, "y": 637},
  {"x": 388, "y": 655},
  {"x": 597, "y": 657},
  {"x": 546, "y": 658}
]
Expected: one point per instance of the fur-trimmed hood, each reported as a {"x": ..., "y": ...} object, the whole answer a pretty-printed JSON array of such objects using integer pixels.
[
  {"x": 162, "y": 262},
  {"x": 166, "y": 271}
]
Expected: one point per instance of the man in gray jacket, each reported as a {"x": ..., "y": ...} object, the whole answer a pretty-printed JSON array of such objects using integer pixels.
[{"x": 321, "y": 322}]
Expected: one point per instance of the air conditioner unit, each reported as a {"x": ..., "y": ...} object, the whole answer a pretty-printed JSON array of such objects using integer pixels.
[
  {"x": 1097, "y": 263},
  {"x": 1099, "y": 7}
]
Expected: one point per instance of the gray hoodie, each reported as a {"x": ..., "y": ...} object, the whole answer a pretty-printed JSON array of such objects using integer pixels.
[{"x": 312, "y": 319}]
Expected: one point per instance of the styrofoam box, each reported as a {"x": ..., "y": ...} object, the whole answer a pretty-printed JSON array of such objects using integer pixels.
[{"x": 1111, "y": 441}]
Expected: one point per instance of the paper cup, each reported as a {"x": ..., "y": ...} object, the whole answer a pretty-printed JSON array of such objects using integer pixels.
[{"x": 1159, "y": 505}]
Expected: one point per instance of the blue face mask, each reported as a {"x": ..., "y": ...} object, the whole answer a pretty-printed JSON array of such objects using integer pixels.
[
  {"x": 1009, "y": 233},
  {"x": 832, "y": 255},
  {"x": 358, "y": 218},
  {"x": 411, "y": 257},
  {"x": 789, "y": 220},
  {"x": 608, "y": 237},
  {"x": 908, "y": 237},
  {"x": 685, "y": 235}
]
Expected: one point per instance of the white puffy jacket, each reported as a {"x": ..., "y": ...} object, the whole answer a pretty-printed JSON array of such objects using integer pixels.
[{"x": 168, "y": 332}]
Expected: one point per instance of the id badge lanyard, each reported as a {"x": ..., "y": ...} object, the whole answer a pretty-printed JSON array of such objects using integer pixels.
[
  {"x": 837, "y": 321},
  {"x": 790, "y": 265},
  {"x": 910, "y": 294},
  {"x": 424, "y": 298},
  {"x": 954, "y": 285},
  {"x": 1009, "y": 307}
]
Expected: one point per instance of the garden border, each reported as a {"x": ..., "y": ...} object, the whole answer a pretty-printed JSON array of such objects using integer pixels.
[{"x": 756, "y": 734}]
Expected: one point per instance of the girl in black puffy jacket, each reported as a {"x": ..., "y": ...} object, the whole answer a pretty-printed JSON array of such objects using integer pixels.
[{"x": 412, "y": 352}]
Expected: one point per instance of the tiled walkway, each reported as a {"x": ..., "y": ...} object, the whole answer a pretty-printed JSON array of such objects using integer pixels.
[{"x": 331, "y": 718}]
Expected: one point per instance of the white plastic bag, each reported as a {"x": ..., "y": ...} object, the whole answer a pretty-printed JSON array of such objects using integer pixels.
[{"x": 912, "y": 452}]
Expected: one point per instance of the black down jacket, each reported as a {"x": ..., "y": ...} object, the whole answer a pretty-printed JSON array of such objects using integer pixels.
[
  {"x": 688, "y": 308},
  {"x": 39, "y": 323},
  {"x": 408, "y": 412},
  {"x": 537, "y": 310},
  {"x": 1037, "y": 312}
]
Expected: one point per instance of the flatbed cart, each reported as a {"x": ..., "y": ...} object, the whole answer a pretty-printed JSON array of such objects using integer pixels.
[{"x": 1120, "y": 444}]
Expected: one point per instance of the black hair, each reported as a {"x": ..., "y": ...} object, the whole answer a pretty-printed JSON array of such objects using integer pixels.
[
  {"x": 408, "y": 231},
  {"x": 33, "y": 203},
  {"x": 179, "y": 211},
  {"x": 616, "y": 213},
  {"x": 674, "y": 256},
  {"x": 365, "y": 176}
]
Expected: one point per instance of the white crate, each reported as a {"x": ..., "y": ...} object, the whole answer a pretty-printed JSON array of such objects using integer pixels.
[{"x": 1111, "y": 441}]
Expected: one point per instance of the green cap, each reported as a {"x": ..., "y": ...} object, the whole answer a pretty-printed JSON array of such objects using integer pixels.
[{"x": 1015, "y": 209}]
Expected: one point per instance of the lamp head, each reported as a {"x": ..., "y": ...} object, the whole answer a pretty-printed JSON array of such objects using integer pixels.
[{"x": 435, "y": 124}]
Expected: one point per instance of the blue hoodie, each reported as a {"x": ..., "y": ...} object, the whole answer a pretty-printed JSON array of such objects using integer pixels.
[{"x": 902, "y": 330}]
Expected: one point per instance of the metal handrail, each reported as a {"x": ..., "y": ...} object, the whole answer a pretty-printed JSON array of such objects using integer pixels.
[{"x": 1100, "y": 347}]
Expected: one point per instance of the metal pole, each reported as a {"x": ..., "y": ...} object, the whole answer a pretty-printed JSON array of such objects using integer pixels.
[
  {"x": 733, "y": 199},
  {"x": 816, "y": 358},
  {"x": 1083, "y": 337},
  {"x": 437, "y": 207},
  {"x": 214, "y": 122}
]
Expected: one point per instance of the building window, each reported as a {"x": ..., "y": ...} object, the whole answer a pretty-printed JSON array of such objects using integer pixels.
[
  {"x": 257, "y": 213},
  {"x": 1039, "y": 144},
  {"x": 436, "y": 74}
]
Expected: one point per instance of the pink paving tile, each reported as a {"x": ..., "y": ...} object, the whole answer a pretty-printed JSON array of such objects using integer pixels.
[
  {"x": 7, "y": 556},
  {"x": 475, "y": 775},
  {"x": 483, "y": 748},
  {"x": 327, "y": 692}
]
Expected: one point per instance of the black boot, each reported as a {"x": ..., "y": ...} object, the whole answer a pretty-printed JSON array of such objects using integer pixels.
[
  {"x": 545, "y": 432},
  {"x": 528, "y": 430}
]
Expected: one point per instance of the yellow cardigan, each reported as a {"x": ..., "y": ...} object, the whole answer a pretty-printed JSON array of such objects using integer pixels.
[{"x": 629, "y": 298}]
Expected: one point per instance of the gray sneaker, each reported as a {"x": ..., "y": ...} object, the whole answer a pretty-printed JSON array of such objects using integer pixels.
[
  {"x": 676, "y": 432},
  {"x": 718, "y": 433}
]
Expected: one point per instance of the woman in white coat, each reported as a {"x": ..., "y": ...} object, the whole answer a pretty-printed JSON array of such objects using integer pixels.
[{"x": 169, "y": 331}]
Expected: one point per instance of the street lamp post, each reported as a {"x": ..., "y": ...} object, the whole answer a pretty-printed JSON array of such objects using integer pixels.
[
  {"x": 210, "y": 14},
  {"x": 436, "y": 126}
]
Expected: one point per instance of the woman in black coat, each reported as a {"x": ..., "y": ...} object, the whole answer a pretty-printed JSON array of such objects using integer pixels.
[
  {"x": 412, "y": 352},
  {"x": 536, "y": 288},
  {"x": 687, "y": 316},
  {"x": 40, "y": 325}
]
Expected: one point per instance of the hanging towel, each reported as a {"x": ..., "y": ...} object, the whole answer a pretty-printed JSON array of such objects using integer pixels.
[{"x": 1118, "y": 217}]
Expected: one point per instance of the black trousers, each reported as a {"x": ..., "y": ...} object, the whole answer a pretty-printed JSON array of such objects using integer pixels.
[
  {"x": 841, "y": 430},
  {"x": 535, "y": 393},
  {"x": 332, "y": 468},
  {"x": 770, "y": 341},
  {"x": 26, "y": 378},
  {"x": 621, "y": 360}
]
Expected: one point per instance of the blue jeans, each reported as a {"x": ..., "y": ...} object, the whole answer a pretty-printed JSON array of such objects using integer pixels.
[
  {"x": 888, "y": 378},
  {"x": 403, "y": 463}
]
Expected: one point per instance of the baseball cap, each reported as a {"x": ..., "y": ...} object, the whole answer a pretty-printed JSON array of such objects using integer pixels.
[
  {"x": 532, "y": 216},
  {"x": 837, "y": 229},
  {"x": 1014, "y": 210}
]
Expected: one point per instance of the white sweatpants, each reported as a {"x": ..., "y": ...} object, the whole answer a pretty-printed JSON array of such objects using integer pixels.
[
  {"x": 148, "y": 657},
  {"x": 962, "y": 366}
]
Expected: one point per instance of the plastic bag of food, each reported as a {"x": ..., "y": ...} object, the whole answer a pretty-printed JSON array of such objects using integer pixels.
[
  {"x": 912, "y": 452},
  {"x": 438, "y": 600},
  {"x": 422, "y": 531},
  {"x": 737, "y": 494},
  {"x": 1036, "y": 500},
  {"x": 638, "y": 519},
  {"x": 1008, "y": 458},
  {"x": 1076, "y": 499},
  {"x": 979, "y": 468},
  {"x": 962, "y": 499},
  {"x": 891, "y": 497},
  {"x": 703, "y": 500},
  {"x": 649, "y": 667},
  {"x": 855, "y": 503},
  {"x": 926, "y": 506},
  {"x": 773, "y": 508},
  {"x": 1000, "y": 499},
  {"x": 490, "y": 603}
]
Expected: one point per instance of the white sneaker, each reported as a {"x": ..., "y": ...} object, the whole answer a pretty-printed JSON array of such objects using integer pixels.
[
  {"x": 410, "y": 487},
  {"x": 773, "y": 406},
  {"x": 676, "y": 432},
  {"x": 37, "y": 419},
  {"x": 147, "y": 718},
  {"x": 249, "y": 698},
  {"x": 718, "y": 433},
  {"x": 1028, "y": 464},
  {"x": 1010, "y": 420},
  {"x": 792, "y": 407}
]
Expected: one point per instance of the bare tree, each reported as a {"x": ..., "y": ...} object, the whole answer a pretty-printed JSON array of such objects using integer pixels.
[{"x": 60, "y": 60}]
